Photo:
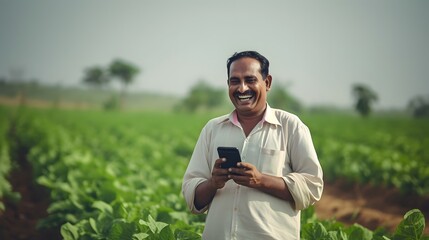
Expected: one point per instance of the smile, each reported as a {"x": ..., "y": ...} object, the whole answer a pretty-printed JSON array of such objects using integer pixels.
[{"x": 244, "y": 97}]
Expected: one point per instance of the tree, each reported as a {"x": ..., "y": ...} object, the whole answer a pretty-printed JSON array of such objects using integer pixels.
[
  {"x": 124, "y": 72},
  {"x": 279, "y": 97},
  {"x": 419, "y": 106},
  {"x": 364, "y": 98},
  {"x": 202, "y": 95},
  {"x": 96, "y": 77}
]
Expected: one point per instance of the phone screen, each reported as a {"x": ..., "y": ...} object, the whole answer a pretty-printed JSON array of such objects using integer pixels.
[{"x": 231, "y": 154}]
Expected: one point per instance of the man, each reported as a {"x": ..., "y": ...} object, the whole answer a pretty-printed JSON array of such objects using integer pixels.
[{"x": 279, "y": 175}]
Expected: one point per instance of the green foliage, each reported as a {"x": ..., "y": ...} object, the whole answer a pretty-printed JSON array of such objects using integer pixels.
[
  {"x": 364, "y": 98},
  {"x": 119, "y": 69},
  {"x": 279, "y": 97},
  {"x": 202, "y": 96},
  {"x": 96, "y": 76},
  {"x": 118, "y": 176},
  {"x": 6, "y": 191},
  {"x": 419, "y": 106},
  {"x": 123, "y": 70},
  {"x": 411, "y": 228},
  {"x": 113, "y": 103},
  {"x": 380, "y": 151},
  {"x": 115, "y": 185}
]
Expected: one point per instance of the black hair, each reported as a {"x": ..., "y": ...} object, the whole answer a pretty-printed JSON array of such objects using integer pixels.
[{"x": 265, "y": 64}]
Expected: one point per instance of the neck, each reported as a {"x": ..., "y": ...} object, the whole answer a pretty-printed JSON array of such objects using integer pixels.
[{"x": 250, "y": 118}]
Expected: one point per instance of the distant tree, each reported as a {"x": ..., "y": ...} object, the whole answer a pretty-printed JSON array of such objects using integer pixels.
[
  {"x": 123, "y": 71},
  {"x": 202, "y": 95},
  {"x": 3, "y": 80},
  {"x": 364, "y": 98},
  {"x": 419, "y": 106},
  {"x": 96, "y": 77},
  {"x": 279, "y": 97}
]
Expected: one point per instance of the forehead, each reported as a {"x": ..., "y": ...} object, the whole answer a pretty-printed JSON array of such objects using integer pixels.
[{"x": 245, "y": 66}]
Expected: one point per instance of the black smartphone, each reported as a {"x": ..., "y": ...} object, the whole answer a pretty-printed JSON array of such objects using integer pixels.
[{"x": 231, "y": 154}]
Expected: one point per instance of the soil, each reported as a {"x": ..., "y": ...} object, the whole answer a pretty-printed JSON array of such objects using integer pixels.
[
  {"x": 370, "y": 206},
  {"x": 19, "y": 221}
]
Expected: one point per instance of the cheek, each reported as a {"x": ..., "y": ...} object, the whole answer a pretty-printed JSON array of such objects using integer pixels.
[{"x": 231, "y": 89}]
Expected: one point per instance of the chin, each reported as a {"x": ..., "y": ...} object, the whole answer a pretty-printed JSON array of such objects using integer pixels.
[{"x": 246, "y": 108}]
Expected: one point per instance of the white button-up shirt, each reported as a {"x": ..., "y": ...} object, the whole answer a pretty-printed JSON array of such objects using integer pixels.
[{"x": 279, "y": 145}]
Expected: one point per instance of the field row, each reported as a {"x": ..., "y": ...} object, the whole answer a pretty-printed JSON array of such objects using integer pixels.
[
  {"x": 382, "y": 151},
  {"x": 118, "y": 175}
]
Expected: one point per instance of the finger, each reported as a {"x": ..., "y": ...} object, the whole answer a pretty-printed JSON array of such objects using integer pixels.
[
  {"x": 238, "y": 179},
  {"x": 237, "y": 171},
  {"x": 219, "y": 161},
  {"x": 245, "y": 165},
  {"x": 221, "y": 178},
  {"x": 220, "y": 172}
]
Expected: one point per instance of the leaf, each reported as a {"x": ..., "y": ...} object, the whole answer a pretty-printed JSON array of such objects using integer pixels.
[
  {"x": 358, "y": 232},
  {"x": 103, "y": 207},
  {"x": 93, "y": 225},
  {"x": 332, "y": 235},
  {"x": 180, "y": 234},
  {"x": 165, "y": 232},
  {"x": 121, "y": 230},
  {"x": 69, "y": 232},
  {"x": 314, "y": 231},
  {"x": 411, "y": 227},
  {"x": 337, "y": 235},
  {"x": 60, "y": 206},
  {"x": 140, "y": 236},
  {"x": 154, "y": 226},
  {"x": 150, "y": 223}
]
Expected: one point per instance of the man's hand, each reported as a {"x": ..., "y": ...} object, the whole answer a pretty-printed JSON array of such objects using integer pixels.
[
  {"x": 205, "y": 192},
  {"x": 219, "y": 175},
  {"x": 248, "y": 175}
]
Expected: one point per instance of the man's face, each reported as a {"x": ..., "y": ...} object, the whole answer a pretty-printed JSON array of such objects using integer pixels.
[{"x": 247, "y": 89}]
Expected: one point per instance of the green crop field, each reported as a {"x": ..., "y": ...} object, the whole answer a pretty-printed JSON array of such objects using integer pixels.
[{"x": 118, "y": 175}]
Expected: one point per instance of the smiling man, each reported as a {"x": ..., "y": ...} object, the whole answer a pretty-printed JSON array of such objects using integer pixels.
[{"x": 279, "y": 173}]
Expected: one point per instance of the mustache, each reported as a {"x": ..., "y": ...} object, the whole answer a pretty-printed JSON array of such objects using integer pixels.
[{"x": 248, "y": 92}]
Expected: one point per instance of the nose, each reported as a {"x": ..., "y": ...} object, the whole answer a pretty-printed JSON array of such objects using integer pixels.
[{"x": 243, "y": 87}]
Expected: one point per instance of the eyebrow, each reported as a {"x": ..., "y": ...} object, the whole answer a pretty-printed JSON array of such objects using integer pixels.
[{"x": 245, "y": 77}]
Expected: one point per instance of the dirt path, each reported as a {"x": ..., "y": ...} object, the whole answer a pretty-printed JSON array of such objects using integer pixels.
[
  {"x": 369, "y": 206},
  {"x": 19, "y": 220}
]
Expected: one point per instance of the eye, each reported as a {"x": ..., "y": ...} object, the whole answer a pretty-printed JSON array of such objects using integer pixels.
[
  {"x": 251, "y": 80},
  {"x": 234, "y": 81}
]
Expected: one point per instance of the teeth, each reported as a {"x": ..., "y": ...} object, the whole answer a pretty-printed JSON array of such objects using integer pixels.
[{"x": 244, "y": 97}]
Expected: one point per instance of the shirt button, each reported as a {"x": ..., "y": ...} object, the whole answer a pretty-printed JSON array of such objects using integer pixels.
[{"x": 235, "y": 209}]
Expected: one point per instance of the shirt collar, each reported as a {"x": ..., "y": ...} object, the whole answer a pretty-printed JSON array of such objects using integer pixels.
[{"x": 269, "y": 117}]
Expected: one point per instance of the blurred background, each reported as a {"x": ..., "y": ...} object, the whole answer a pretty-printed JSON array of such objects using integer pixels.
[
  {"x": 318, "y": 51},
  {"x": 100, "y": 100}
]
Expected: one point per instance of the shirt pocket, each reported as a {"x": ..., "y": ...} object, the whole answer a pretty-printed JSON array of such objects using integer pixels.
[{"x": 271, "y": 161}]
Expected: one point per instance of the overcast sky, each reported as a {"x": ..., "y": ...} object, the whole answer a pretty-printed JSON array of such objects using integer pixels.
[{"x": 319, "y": 49}]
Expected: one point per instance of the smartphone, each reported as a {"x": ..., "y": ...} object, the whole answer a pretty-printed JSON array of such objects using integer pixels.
[{"x": 231, "y": 154}]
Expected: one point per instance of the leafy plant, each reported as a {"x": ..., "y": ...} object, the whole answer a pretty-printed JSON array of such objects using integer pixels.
[{"x": 118, "y": 176}]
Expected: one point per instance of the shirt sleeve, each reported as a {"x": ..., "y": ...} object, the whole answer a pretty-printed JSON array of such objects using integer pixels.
[
  {"x": 198, "y": 171},
  {"x": 305, "y": 182}
]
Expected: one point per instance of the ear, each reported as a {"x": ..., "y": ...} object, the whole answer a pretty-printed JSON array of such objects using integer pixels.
[{"x": 268, "y": 81}]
